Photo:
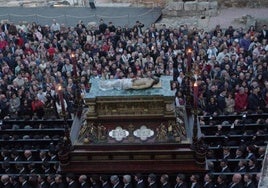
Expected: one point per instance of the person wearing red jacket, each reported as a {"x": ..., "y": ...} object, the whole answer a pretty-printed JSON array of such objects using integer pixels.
[
  {"x": 241, "y": 100},
  {"x": 3, "y": 43},
  {"x": 38, "y": 107}
]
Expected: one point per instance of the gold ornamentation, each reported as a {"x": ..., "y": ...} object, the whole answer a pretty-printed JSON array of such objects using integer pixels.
[{"x": 161, "y": 133}]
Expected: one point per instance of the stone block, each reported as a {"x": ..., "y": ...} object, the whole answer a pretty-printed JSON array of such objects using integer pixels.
[
  {"x": 172, "y": 13},
  {"x": 190, "y": 6},
  {"x": 211, "y": 12},
  {"x": 213, "y": 5},
  {"x": 203, "y": 6},
  {"x": 175, "y": 6}
]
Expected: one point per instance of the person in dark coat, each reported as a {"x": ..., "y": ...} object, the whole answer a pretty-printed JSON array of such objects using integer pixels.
[
  {"x": 21, "y": 169},
  {"x": 221, "y": 181},
  {"x": 152, "y": 181},
  {"x": 43, "y": 156},
  {"x": 221, "y": 101},
  {"x": 263, "y": 33},
  {"x": 53, "y": 155},
  {"x": 5, "y": 26},
  {"x": 212, "y": 106},
  {"x": 251, "y": 152},
  {"x": 248, "y": 181},
  {"x": 5, "y": 181},
  {"x": 180, "y": 181},
  {"x": 195, "y": 181},
  {"x": 239, "y": 153},
  {"x": 23, "y": 179},
  {"x": 7, "y": 168},
  {"x": 236, "y": 181},
  {"x": 140, "y": 183},
  {"x": 16, "y": 156},
  {"x": 254, "y": 102},
  {"x": 83, "y": 181},
  {"x": 252, "y": 167},
  {"x": 28, "y": 155},
  {"x": 51, "y": 181},
  {"x": 59, "y": 181},
  {"x": 32, "y": 168},
  {"x": 42, "y": 181},
  {"x": 127, "y": 181},
  {"x": 102, "y": 26},
  {"x": 226, "y": 153},
  {"x": 242, "y": 166},
  {"x": 208, "y": 181},
  {"x": 95, "y": 181},
  {"x": 105, "y": 181},
  {"x": 224, "y": 166},
  {"x": 115, "y": 182},
  {"x": 70, "y": 179},
  {"x": 164, "y": 179},
  {"x": 15, "y": 181}
]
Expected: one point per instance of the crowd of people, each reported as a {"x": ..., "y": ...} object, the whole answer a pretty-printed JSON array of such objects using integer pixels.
[
  {"x": 229, "y": 66},
  {"x": 39, "y": 64},
  {"x": 130, "y": 181}
]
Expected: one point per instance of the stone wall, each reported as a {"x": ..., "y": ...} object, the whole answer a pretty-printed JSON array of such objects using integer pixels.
[
  {"x": 221, "y": 3},
  {"x": 243, "y": 3},
  {"x": 190, "y": 8}
]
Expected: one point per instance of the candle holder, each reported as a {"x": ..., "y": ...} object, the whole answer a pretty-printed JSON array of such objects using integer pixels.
[
  {"x": 78, "y": 101},
  {"x": 65, "y": 145},
  {"x": 61, "y": 100},
  {"x": 192, "y": 93}
]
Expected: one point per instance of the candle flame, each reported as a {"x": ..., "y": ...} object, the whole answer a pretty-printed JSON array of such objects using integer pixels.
[
  {"x": 195, "y": 84},
  {"x": 59, "y": 87},
  {"x": 72, "y": 55},
  {"x": 189, "y": 51}
]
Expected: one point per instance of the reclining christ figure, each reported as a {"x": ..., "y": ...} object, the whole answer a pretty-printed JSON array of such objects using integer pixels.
[{"x": 128, "y": 83}]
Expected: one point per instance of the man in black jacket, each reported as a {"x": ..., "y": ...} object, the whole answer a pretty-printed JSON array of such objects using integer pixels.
[
  {"x": 127, "y": 181},
  {"x": 24, "y": 181},
  {"x": 105, "y": 181},
  {"x": 152, "y": 181},
  {"x": 115, "y": 181},
  {"x": 5, "y": 181},
  {"x": 248, "y": 181},
  {"x": 236, "y": 181},
  {"x": 83, "y": 181},
  {"x": 164, "y": 181},
  {"x": 70, "y": 178},
  {"x": 208, "y": 181},
  {"x": 139, "y": 181},
  {"x": 254, "y": 102},
  {"x": 180, "y": 181}
]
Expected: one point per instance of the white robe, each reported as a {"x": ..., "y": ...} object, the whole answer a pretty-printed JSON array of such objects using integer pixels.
[{"x": 118, "y": 84}]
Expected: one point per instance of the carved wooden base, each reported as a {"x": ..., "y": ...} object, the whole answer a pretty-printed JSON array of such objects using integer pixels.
[
  {"x": 157, "y": 158},
  {"x": 132, "y": 131}
]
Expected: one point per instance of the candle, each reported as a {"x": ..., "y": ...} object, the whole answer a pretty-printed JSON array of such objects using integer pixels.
[
  {"x": 189, "y": 59},
  {"x": 195, "y": 94},
  {"x": 74, "y": 65},
  {"x": 61, "y": 100}
]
